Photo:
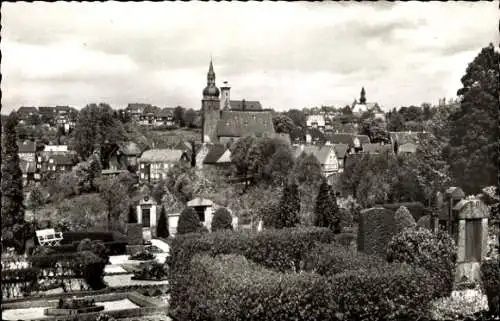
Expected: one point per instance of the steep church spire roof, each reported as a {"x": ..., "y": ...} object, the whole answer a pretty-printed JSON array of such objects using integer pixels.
[{"x": 211, "y": 91}]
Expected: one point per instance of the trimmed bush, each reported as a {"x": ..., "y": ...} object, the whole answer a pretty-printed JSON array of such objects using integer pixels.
[
  {"x": 142, "y": 256},
  {"x": 375, "y": 231},
  {"x": 132, "y": 215},
  {"x": 326, "y": 213},
  {"x": 403, "y": 219},
  {"x": 162, "y": 227},
  {"x": 490, "y": 277},
  {"x": 331, "y": 259},
  {"x": 416, "y": 209},
  {"x": 232, "y": 288},
  {"x": 189, "y": 222},
  {"x": 435, "y": 252},
  {"x": 222, "y": 220},
  {"x": 96, "y": 247},
  {"x": 280, "y": 250},
  {"x": 424, "y": 222},
  {"x": 153, "y": 271}
]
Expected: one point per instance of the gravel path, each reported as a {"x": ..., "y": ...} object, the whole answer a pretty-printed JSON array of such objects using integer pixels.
[
  {"x": 117, "y": 281},
  {"x": 23, "y": 314},
  {"x": 118, "y": 305}
]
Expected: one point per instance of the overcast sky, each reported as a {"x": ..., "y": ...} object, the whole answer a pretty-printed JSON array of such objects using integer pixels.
[{"x": 287, "y": 55}]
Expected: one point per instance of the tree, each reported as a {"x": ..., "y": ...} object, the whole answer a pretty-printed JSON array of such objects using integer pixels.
[
  {"x": 395, "y": 122},
  {"x": 298, "y": 117},
  {"x": 158, "y": 191},
  {"x": 280, "y": 165},
  {"x": 326, "y": 211},
  {"x": 239, "y": 155},
  {"x": 307, "y": 170},
  {"x": 179, "y": 116},
  {"x": 222, "y": 220},
  {"x": 289, "y": 207},
  {"x": 115, "y": 197},
  {"x": 13, "y": 223},
  {"x": 97, "y": 129},
  {"x": 132, "y": 214},
  {"x": 474, "y": 126},
  {"x": 404, "y": 219},
  {"x": 189, "y": 222},
  {"x": 375, "y": 130},
  {"x": 283, "y": 124},
  {"x": 35, "y": 201},
  {"x": 162, "y": 227},
  {"x": 189, "y": 118}
]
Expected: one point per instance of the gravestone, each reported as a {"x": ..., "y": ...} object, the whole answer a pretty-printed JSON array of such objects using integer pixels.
[
  {"x": 376, "y": 229},
  {"x": 134, "y": 238},
  {"x": 471, "y": 235}
]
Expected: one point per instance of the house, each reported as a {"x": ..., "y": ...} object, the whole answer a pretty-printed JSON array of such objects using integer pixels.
[
  {"x": 325, "y": 155},
  {"x": 135, "y": 110},
  {"x": 29, "y": 172},
  {"x": 125, "y": 154},
  {"x": 352, "y": 140},
  {"x": 217, "y": 155},
  {"x": 25, "y": 113},
  {"x": 164, "y": 117},
  {"x": 27, "y": 150},
  {"x": 55, "y": 148},
  {"x": 341, "y": 150},
  {"x": 48, "y": 115},
  {"x": 377, "y": 148},
  {"x": 147, "y": 119},
  {"x": 399, "y": 139},
  {"x": 155, "y": 163},
  {"x": 59, "y": 162},
  {"x": 315, "y": 136},
  {"x": 316, "y": 121},
  {"x": 347, "y": 128}
]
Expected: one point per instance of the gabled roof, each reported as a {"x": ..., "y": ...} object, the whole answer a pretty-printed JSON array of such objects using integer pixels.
[
  {"x": 129, "y": 149},
  {"x": 340, "y": 150},
  {"x": 27, "y": 110},
  {"x": 344, "y": 138},
  {"x": 47, "y": 110},
  {"x": 454, "y": 192},
  {"x": 27, "y": 167},
  {"x": 245, "y": 123},
  {"x": 64, "y": 159},
  {"x": 284, "y": 137},
  {"x": 63, "y": 108},
  {"x": 26, "y": 147},
  {"x": 319, "y": 119},
  {"x": 247, "y": 104},
  {"x": 161, "y": 155},
  {"x": 199, "y": 202},
  {"x": 214, "y": 153},
  {"x": 165, "y": 112},
  {"x": 320, "y": 152}
]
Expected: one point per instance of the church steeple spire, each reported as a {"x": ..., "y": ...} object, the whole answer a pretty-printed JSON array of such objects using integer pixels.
[{"x": 211, "y": 91}]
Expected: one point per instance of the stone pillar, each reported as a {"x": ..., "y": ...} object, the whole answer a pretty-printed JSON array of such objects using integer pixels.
[
  {"x": 461, "y": 241},
  {"x": 484, "y": 245}
]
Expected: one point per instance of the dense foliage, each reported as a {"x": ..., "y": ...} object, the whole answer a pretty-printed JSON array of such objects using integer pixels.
[
  {"x": 474, "y": 126},
  {"x": 435, "y": 252},
  {"x": 287, "y": 214},
  {"x": 232, "y": 288},
  {"x": 189, "y": 222},
  {"x": 152, "y": 271},
  {"x": 327, "y": 211},
  {"x": 162, "y": 227},
  {"x": 14, "y": 229},
  {"x": 222, "y": 220},
  {"x": 403, "y": 219},
  {"x": 490, "y": 276}
]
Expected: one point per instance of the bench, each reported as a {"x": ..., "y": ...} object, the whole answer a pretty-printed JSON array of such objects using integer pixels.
[{"x": 49, "y": 237}]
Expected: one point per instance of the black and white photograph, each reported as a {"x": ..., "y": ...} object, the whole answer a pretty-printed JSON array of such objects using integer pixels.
[{"x": 248, "y": 161}]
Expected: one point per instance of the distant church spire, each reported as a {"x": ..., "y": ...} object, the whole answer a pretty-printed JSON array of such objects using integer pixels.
[
  {"x": 362, "y": 98},
  {"x": 211, "y": 91}
]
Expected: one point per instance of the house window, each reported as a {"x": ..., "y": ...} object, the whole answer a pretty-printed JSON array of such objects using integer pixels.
[
  {"x": 146, "y": 217},
  {"x": 142, "y": 165},
  {"x": 142, "y": 175},
  {"x": 473, "y": 240}
]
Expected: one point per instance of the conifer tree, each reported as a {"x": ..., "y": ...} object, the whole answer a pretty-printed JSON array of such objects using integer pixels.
[
  {"x": 289, "y": 208},
  {"x": 132, "y": 215},
  {"x": 162, "y": 227},
  {"x": 222, "y": 220},
  {"x": 13, "y": 224},
  {"x": 189, "y": 222},
  {"x": 327, "y": 212}
]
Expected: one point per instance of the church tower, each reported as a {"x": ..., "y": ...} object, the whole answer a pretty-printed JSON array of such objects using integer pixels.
[
  {"x": 225, "y": 97},
  {"x": 210, "y": 106}
]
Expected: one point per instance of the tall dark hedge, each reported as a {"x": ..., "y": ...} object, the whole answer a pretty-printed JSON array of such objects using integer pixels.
[
  {"x": 189, "y": 222},
  {"x": 132, "y": 215},
  {"x": 327, "y": 211},
  {"x": 222, "y": 220},
  {"x": 162, "y": 227},
  {"x": 289, "y": 208},
  {"x": 490, "y": 277},
  {"x": 14, "y": 229}
]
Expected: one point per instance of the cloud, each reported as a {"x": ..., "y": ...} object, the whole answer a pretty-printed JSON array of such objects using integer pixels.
[{"x": 288, "y": 55}]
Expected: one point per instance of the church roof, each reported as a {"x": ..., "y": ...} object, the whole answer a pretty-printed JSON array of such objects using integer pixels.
[
  {"x": 161, "y": 155},
  {"x": 340, "y": 150},
  {"x": 244, "y": 123},
  {"x": 247, "y": 104},
  {"x": 214, "y": 153}
]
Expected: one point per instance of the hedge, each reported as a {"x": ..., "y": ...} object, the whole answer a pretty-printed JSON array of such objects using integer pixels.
[
  {"x": 114, "y": 247},
  {"x": 280, "y": 250},
  {"x": 331, "y": 259},
  {"x": 376, "y": 229},
  {"x": 490, "y": 277},
  {"x": 70, "y": 237},
  {"x": 230, "y": 287}
]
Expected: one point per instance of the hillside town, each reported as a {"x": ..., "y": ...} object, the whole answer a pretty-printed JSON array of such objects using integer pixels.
[{"x": 233, "y": 210}]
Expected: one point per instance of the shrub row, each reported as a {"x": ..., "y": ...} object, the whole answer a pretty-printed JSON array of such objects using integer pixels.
[
  {"x": 230, "y": 287},
  {"x": 70, "y": 237},
  {"x": 490, "y": 276},
  {"x": 280, "y": 250},
  {"x": 114, "y": 247}
]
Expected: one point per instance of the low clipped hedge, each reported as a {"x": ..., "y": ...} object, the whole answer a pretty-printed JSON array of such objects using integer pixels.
[
  {"x": 331, "y": 259},
  {"x": 279, "y": 250},
  {"x": 70, "y": 237},
  {"x": 490, "y": 277},
  {"x": 230, "y": 287},
  {"x": 114, "y": 247}
]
